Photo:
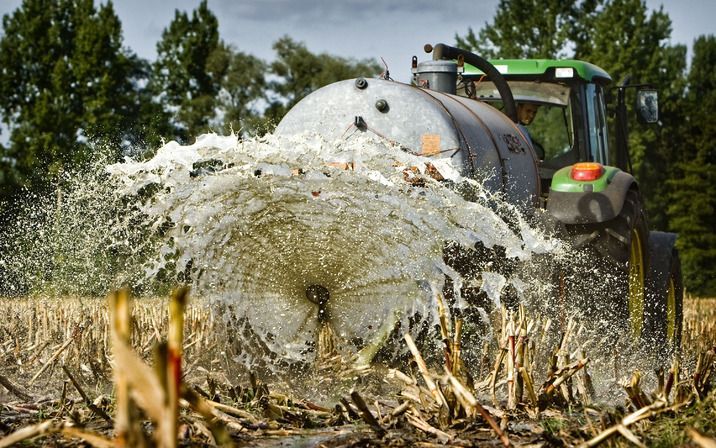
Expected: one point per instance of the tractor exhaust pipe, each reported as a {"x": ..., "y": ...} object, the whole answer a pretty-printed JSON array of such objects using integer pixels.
[{"x": 442, "y": 52}]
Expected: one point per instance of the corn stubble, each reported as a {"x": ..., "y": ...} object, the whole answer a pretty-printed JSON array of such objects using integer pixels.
[{"x": 148, "y": 377}]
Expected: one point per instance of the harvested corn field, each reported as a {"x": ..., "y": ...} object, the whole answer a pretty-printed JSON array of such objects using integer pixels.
[{"x": 81, "y": 371}]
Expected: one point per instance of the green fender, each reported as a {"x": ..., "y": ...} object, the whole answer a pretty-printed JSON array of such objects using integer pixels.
[{"x": 588, "y": 202}]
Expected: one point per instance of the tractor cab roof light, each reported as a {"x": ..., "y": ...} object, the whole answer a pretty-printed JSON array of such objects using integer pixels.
[
  {"x": 564, "y": 72},
  {"x": 586, "y": 171}
]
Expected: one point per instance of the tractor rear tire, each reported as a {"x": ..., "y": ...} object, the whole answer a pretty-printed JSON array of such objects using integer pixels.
[
  {"x": 619, "y": 250},
  {"x": 665, "y": 299}
]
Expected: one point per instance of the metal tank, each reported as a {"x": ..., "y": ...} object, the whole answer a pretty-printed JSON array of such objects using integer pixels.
[{"x": 483, "y": 142}]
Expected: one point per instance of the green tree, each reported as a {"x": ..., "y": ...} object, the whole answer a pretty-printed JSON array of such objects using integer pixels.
[
  {"x": 153, "y": 122},
  {"x": 692, "y": 204},
  {"x": 65, "y": 80},
  {"x": 300, "y": 72},
  {"x": 182, "y": 79},
  {"x": 242, "y": 83},
  {"x": 532, "y": 29}
]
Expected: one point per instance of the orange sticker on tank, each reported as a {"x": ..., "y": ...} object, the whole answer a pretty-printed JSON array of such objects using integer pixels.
[{"x": 430, "y": 144}]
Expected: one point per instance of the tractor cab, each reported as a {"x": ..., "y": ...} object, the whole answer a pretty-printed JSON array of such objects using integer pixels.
[{"x": 570, "y": 124}]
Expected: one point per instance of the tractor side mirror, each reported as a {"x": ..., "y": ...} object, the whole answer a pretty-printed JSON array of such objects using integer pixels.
[{"x": 647, "y": 106}]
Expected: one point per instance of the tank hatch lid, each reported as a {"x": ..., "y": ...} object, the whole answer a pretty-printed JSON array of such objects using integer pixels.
[{"x": 549, "y": 69}]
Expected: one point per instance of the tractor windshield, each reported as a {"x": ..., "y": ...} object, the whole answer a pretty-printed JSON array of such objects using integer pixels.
[{"x": 551, "y": 130}]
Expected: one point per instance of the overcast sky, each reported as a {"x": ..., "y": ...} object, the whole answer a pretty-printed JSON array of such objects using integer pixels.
[{"x": 393, "y": 29}]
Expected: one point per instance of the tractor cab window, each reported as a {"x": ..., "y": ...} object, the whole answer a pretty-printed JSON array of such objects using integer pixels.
[
  {"x": 552, "y": 130},
  {"x": 597, "y": 124}
]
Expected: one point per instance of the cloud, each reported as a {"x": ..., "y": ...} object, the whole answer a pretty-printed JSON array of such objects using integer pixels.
[{"x": 353, "y": 11}]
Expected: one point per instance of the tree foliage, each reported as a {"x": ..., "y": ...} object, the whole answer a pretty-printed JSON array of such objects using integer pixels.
[
  {"x": 242, "y": 82},
  {"x": 532, "y": 29},
  {"x": 692, "y": 201},
  {"x": 182, "y": 79},
  {"x": 300, "y": 72},
  {"x": 64, "y": 79},
  {"x": 68, "y": 87}
]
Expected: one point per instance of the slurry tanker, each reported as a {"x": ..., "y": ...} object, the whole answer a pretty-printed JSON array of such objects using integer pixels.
[{"x": 465, "y": 108}]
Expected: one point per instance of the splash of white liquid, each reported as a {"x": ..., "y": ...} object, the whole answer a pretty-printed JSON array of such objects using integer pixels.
[{"x": 256, "y": 222}]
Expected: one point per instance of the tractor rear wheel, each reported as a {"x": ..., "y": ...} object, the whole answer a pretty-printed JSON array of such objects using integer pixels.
[
  {"x": 665, "y": 299},
  {"x": 619, "y": 250}
]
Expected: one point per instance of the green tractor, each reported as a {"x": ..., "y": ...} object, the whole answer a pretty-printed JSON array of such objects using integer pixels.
[
  {"x": 536, "y": 131},
  {"x": 588, "y": 186}
]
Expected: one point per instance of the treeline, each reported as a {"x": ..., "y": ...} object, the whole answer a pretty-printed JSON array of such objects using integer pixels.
[{"x": 69, "y": 86}]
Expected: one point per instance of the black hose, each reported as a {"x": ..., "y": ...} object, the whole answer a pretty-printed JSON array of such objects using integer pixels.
[{"x": 442, "y": 51}]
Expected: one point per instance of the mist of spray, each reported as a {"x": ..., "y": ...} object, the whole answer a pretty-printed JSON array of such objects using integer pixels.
[{"x": 253, "y": 223}]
